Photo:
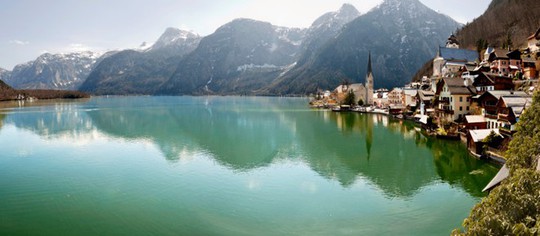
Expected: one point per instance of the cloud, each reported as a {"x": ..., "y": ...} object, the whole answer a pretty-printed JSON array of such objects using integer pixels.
[{"x": 19, "y": 42}]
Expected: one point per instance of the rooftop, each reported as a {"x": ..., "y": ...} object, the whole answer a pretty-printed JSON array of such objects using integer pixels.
[
  {"x": 425, "y": 95},
  {"x": 410, "y": 92},
  {"x": 456, "y": 86},
  {"x": 456, "y": 54},
  {"x": 517, "y": 101},
  {"x": 475, "y": 119},
  {"x": 506, "y": 93},
  {"x": 480, "y": 134}
]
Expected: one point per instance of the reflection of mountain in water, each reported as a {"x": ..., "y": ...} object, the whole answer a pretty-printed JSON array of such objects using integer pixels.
[
  {"x": 247, "y": 133},
  {"x": 241, "y": 133},
  {"x": 2, "y": 117},
  {"x": 52, "y": 121}
]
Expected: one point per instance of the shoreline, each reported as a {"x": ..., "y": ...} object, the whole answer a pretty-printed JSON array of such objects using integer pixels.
[{"x": 378, "y": 111}]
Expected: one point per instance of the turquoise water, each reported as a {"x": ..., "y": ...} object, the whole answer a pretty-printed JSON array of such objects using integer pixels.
[{"x": 226, "y": 166}]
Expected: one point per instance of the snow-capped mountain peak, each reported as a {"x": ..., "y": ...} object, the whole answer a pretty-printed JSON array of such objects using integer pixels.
[
  {"x": 345, "y": 14},
  {"x": 174, "y": 36},
  {"x": 54, "y": 71}
]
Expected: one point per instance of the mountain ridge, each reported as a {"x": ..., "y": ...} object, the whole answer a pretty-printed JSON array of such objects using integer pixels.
[
  {"x": 141, "y": 72},
  {"x": 238, "y": 58},
  {"x": 401, "y": 35},
  {"x": 62, "y": 71}
]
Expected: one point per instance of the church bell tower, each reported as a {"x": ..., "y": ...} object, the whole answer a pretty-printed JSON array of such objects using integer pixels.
[{"x": 369, "y": 83}]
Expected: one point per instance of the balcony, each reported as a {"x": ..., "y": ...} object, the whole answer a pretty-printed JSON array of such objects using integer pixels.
[
  {"x": 508, "y": 129},
  {"x": 502, "y": 116},
  {"x": 491, "y": 116},
  {"x": 444, "y": 100},
  {"x": 445, "y": 109}
]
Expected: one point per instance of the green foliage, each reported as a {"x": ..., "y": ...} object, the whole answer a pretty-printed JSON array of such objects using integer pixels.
[
  {"x": 503, "y": 20},
  {"x": 361, "y": 102},
  {"x": 513, "y": 208},
  {"x": 524, "y": 149},
  {"x": 507, "y": 42},
  {"x": 493, "y": 139},
  {"x": 350, "y": 99},
  {"x": 518, "y": 76},
  {"x": 481, "y": 44}
]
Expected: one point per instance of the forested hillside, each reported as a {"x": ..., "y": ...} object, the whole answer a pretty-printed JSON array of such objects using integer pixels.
[{"x": 505, "y": 23}]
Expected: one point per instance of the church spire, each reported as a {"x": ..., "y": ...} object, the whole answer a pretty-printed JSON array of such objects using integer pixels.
[
  {"x": 369, "y": 69},
  {"x": 369, "y": 82}
]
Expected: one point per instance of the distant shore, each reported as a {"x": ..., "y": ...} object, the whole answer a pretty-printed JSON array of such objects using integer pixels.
[{"x": 39, "y": 94}]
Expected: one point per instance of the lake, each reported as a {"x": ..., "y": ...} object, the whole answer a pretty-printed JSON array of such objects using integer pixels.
[{"x": 226, "y": 166}]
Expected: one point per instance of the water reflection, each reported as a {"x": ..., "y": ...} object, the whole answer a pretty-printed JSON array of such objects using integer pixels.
[
  {"x": 248, "y": 133},
  {"x": 2, "y": 117}
]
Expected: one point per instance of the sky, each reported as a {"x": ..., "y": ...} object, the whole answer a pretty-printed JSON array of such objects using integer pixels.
[{"x": 29, "y": 28}]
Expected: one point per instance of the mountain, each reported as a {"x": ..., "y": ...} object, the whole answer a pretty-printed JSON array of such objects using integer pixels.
[
  {"x": 6, "y": 92},
  {"x": 4, "y": 74},
  {"x": 176, "y": 42},
  {"x": 323, "y": 29},
  {"x": 239, "y": 58},
  {"x": 4, "y": 87},
  {"x": 401, "y": 35},
  {"x": 504, "y": 19},
  {"x": 53, "y": 71},
  {"x": 141, "y": 71}
]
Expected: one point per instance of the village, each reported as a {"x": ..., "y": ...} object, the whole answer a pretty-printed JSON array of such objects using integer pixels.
[{"x": 470, "y": 96}]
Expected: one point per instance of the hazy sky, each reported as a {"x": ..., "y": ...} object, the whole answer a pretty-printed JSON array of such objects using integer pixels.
[{"x": 29, "y": 28}]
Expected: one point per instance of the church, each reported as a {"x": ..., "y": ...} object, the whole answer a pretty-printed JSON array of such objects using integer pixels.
[{"x": 361, "y": 91}]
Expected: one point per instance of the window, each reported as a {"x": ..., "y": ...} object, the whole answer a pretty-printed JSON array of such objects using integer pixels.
[
  {"x": 467, "y": 108},
  {"x": 468, "y": 99},
  {"x": 460, "y": 108},
  {"x": 460, "y": 99}
]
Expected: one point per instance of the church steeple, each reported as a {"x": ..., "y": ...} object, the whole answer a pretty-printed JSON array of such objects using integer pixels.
[
  {"x": 369, "y": 82},
  {"x": 369, "y": 69}
]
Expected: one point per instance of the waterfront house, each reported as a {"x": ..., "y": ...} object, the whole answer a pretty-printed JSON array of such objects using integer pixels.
[
  {"x": 488, "y": 104},
  {"x": 509, "y": 109},
  {"x": 425, "y": 99},
  {"x": 473, "y": 122},
  {"x": 453, "y": 98},
  {"x": 395, "y": 97},
  {"x": 409, "y": 97},
  {"x": 475, "y": 139},
  {"x": 380, "y": 98}
]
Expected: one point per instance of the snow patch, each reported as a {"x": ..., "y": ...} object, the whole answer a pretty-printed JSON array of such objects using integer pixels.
[{"x": 253, "y": 66}]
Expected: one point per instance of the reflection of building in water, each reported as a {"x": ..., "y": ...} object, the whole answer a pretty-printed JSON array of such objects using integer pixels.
[
  {"x": 2, "y": 117},
  {"x": 369, "y": 136},
  {"x": 380, "y": 119},
  {"x": 244, "y": 141}
]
